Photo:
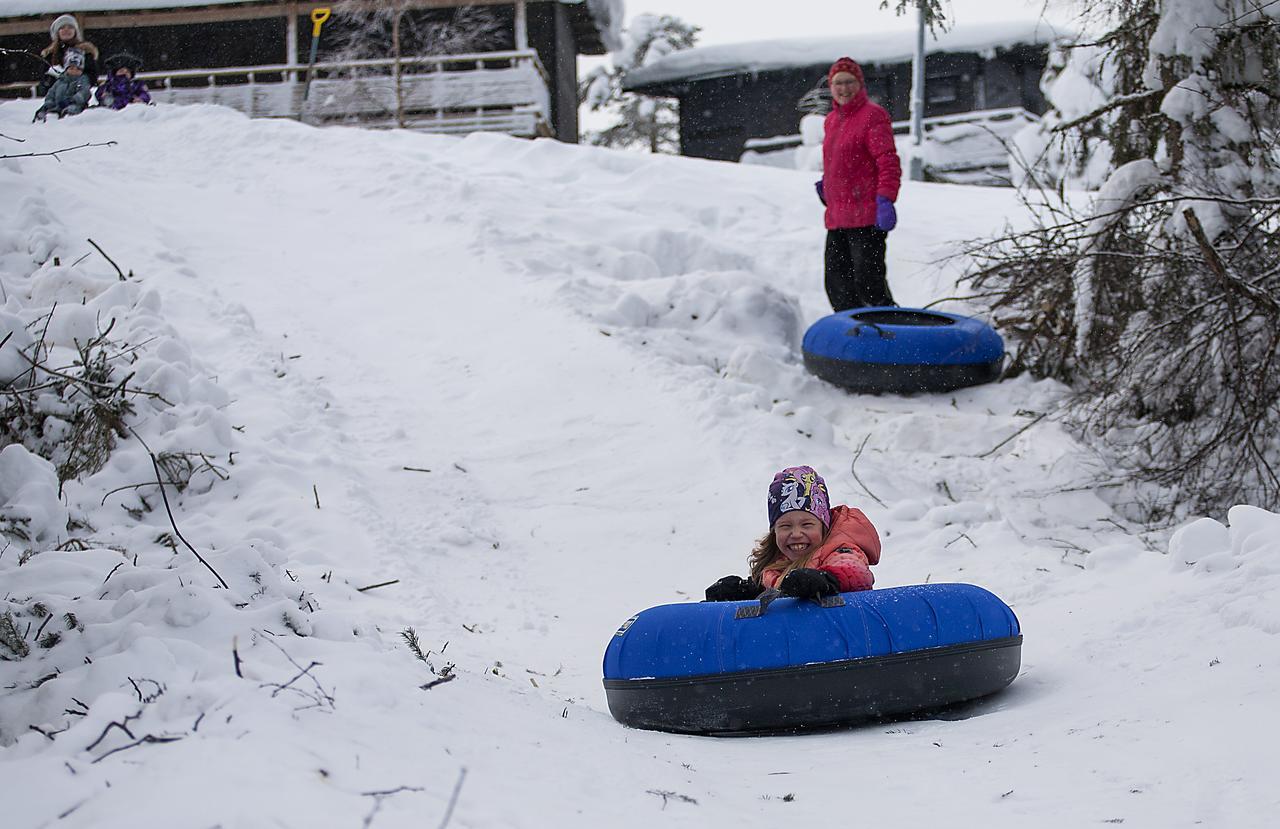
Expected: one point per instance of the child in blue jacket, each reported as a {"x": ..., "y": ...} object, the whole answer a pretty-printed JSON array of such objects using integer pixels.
[{"x": 69, "y": 95}]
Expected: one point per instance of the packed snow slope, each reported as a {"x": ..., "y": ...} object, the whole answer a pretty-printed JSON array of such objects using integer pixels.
[{"x": 541, "y": 387}]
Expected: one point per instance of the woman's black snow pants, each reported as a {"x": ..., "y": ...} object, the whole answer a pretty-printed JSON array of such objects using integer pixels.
[{"x": 855, "y": 270}]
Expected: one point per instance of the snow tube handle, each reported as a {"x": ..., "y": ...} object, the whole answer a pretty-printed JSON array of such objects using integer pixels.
[
  {"x": 856, "y": 330},
  {"x": 755, "y": 611}
]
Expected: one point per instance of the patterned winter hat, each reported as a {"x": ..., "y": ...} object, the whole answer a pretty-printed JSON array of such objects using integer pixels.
[
  {"x": 845, "y": 64},
  {"x": 799, "y": 488},
  {"x": 73, "y": 57}
]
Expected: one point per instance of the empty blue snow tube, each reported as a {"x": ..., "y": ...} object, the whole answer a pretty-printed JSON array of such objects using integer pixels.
[
  {"x": 789, "y": 664},
  {"x": 890, "y": 349}
]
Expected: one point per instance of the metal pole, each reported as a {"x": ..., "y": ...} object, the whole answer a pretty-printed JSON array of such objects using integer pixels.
[{"x": 916, "y": 170}]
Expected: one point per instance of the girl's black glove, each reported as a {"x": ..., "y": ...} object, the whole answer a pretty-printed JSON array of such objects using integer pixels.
[
  {"x": 733, "y": 589},
  {"x": 807, "y": 583}
]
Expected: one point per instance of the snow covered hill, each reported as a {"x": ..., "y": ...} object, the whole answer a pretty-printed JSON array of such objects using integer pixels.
[{"x": 540, "y": 387}]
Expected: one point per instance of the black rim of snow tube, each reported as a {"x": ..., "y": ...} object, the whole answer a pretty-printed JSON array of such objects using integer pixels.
[
  {"x": 898, "y": 378},
  {"x": 817, "y": 696},
  {"x": 900, "y": 316}
]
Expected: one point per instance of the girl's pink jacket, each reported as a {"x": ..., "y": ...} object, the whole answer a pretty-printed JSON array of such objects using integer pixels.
[
  {"x": 850, "y": 548},
  {"x": 859, "y": 162}
]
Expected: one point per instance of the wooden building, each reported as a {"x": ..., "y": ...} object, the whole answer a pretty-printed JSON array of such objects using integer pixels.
[
  {"x": 253, "y": 55},
  {"x": 740, "y": 95}
]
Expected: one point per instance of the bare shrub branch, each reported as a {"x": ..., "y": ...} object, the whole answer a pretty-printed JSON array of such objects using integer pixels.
[{"x": 1159, "y": 304}]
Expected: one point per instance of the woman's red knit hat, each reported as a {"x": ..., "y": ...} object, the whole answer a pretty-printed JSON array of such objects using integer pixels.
[{"x": 845, "y": 65}]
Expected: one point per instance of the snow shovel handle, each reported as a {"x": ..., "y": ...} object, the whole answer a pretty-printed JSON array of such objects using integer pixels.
[{"x": 318, "y": 17}]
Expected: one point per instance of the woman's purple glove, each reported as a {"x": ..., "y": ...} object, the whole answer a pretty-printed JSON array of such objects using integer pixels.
[
  {"x": 886, "y": 216},
  {"x": 822, "y": 196}
]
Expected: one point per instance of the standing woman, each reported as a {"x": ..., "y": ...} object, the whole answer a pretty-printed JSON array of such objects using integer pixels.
[
  {"x": 861, "y": 174},
  {"x": 65, "y": 34}
]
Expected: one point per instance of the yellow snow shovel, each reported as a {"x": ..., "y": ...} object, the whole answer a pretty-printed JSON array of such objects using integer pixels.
[{"x": 318, "y": 17}]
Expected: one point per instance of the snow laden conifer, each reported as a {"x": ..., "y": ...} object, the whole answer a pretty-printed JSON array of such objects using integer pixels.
[
  {"x": 1160, "y": 301},
  {"x": 640, "y": 122}
]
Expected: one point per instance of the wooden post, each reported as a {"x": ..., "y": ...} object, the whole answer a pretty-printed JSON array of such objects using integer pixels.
[
  {"x": 291, "y": 39},
  {"x": 395, "y": 45},
  {"x": 522, "y": 26}
]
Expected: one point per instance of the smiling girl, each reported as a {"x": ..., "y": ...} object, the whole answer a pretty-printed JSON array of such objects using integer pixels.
[
  {"x": 65, "y": 33},
  {"x": 811, "y": 549}
]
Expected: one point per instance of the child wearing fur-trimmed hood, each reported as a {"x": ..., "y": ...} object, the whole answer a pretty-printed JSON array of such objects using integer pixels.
[{"x": 65, "y": 33}]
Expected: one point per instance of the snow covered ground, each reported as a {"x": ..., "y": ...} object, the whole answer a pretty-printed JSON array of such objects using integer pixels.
[{"x": 542, "y": 387}]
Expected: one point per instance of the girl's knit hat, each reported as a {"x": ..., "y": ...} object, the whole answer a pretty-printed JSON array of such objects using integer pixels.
[
  {"x": 799, "y": 488},
  {"x": 60, "y": 21},
  {"x": 845, "y": 64}
]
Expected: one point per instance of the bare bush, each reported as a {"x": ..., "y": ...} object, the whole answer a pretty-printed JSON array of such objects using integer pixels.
[
  {"x": 1159, "y": 303},
  {"x": 70, "y": 414}
]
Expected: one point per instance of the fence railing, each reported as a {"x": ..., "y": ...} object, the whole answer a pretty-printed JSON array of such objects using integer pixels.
[
  {"x": 496, "y": 91},
  {"x": 997, "y": 118},
  {"x": 964, "y": 148}
]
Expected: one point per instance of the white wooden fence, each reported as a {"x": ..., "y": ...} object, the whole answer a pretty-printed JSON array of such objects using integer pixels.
[{"x": 491, "y": 91}]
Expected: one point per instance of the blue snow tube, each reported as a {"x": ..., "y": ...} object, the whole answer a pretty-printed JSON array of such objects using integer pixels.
[
  {"x": 890, "y": 349},
  {"x": 779, "y": 664}
]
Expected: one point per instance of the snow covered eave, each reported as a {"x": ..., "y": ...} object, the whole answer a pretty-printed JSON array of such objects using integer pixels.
[
  {"x": 670, "y": 75},
  {"x": 599, "y": 9},
  {"x": 34, "y": 16},
  {"x": 596, "y": 24},
  {"x": 638, "y": 81},
  {"x": 80, "y": 8}
]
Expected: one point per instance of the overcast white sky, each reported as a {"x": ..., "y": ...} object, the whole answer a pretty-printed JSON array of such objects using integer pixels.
[{"x": 726, "y": 21}]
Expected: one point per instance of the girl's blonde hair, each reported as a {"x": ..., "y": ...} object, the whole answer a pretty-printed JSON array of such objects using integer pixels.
[{"x": 767, "y": 551}]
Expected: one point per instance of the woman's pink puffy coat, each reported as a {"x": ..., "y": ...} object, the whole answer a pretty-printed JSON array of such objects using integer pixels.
[
  {"x": 849, "y": 549},
  {"x": 859, "y": 162}
]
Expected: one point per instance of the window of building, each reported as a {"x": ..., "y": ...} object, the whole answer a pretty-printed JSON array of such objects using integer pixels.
[{"x": 942, "y": 90}]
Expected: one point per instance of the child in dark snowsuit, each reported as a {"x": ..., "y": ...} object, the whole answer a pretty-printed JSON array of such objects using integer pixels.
[
  {"x": 69, "y": 95},
  {"x": 812, "y": 549},
  {"x": 121, "y": 88}
]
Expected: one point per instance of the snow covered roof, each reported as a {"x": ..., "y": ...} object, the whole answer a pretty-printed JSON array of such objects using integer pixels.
[
  {"x": 704, "y": 62},
  {"x": 606, "y": 15},
  {"x": 17, "y": 8}
]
